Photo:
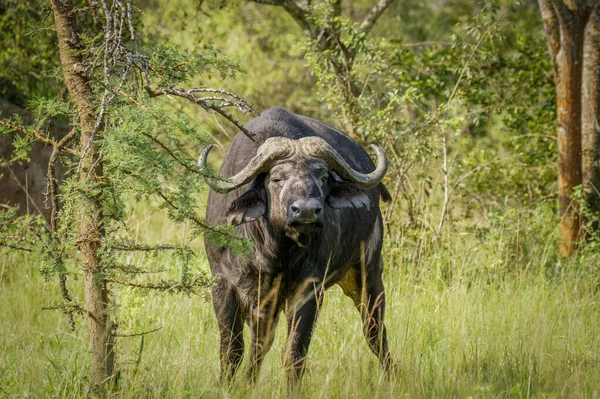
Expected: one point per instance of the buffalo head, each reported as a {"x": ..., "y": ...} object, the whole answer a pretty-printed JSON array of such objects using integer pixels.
[{"x": 293, "y": 184}]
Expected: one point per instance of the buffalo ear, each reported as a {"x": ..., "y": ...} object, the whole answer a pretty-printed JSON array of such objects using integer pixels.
[
  {"x": 347, "y": 195},
  {"x": 249, "y": 206}
]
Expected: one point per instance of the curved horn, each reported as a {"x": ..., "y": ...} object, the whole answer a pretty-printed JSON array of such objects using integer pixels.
[
  {"x": 320, "y": 148},
  {"x": 269, "y": 151}
]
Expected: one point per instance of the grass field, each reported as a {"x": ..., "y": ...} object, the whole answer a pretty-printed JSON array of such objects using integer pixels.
[{"x": 486, "y": 313}]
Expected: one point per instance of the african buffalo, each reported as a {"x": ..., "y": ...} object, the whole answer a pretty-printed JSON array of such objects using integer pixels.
[{"x": 308, "y": 196}]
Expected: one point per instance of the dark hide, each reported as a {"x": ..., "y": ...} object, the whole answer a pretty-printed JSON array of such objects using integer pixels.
[{"x": 288, "y": 271}]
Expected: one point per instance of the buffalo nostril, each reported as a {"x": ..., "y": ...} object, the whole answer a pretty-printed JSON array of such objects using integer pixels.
[
  {"x": 318, "y": 211},
  {"x": 295, "y": 209}
]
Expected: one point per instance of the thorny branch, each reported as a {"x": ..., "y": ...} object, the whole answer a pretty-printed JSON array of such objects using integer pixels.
[
  {"x": 115, "y": 53},
  {"x": 134, "y": 270},
  {"x": 160, "y": 286},
  {"x": 117, "y": 62},
  {"x": 35, "y": 134},
  {"x": 51, "y": 177},
  {"x": 15, "y": 178},
  {"x": 138, "y": 334},
  {"x": 144, "y": 247},
  {"x": 11, "y": 246},
  {"x": 53, "y": 192},
  {"x": 171, "y": 154},
  {"x": 216, "y": 104},
  {"x": 200, "y": 222}
]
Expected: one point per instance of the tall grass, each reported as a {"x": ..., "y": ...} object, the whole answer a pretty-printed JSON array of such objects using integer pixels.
[{"x": 480, "y": 312}]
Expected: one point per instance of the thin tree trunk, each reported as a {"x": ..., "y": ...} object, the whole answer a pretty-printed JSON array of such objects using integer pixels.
[
  {"x": 564, "y": 24},
  {"x": 568, "y": 107},
  {"x": 590, "y": 122},
  {"x": 91, "y": 218}
]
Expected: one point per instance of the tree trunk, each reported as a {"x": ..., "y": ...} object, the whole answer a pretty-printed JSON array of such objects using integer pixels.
[
  {"x": 568, "y": 109},
  {"x": 564, "y": 23},
  {"x": 590, "y": 122},
  {"x": 90, "y": 216}
]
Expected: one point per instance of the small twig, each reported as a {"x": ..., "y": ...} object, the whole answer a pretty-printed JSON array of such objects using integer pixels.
[
  {"x": 35, "y": 134},
  {"x": 227, "y": 93},
  {"x": 75, "y": 308},
  {"x": 145, "y": 248},
  {"x": 138, "y": 285},
  {"x": 138, "y": 334},
  {"x": 181, "y": 64},
  {"x": 52, "y": 181},
  {"x": 201, "y": 223},
  {"x": 175, "y": 157},
  {"x": 11, "y": 246},
  {"x": 67, "y": 298},
  {"x": 134, "y": 270},
  {"x": 427, "y": 43},
  {"x": 14, "y": 177}
]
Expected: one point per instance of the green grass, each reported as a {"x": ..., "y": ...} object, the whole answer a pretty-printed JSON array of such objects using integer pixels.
[{"x": 487, "y": 314}]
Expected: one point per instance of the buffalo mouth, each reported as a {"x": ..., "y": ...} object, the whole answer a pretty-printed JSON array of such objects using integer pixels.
[
  {"x": 301, "y": 232},
  {"x": 305, "y": 226}
]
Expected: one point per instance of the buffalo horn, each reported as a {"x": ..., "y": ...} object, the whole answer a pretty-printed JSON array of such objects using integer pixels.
[
  {"x": 279, "y": 147},
  {"x": 271, "y": 150},
  {"x": 319, "y": 148}
]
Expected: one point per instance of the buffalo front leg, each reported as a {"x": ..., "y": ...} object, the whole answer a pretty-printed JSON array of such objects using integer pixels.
[
  {"x": 262, "y": 321},
  {"x": 365, "y": 288},
  {"x": 301, "y": 318},
  {"x": 230, "y": 321}
]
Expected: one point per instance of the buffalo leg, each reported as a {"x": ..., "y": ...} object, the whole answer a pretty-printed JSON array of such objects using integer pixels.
[
  {"x": 262, "y": 322},
  {"x": 301, "y": 318},
  {"x": 366, "y": 291},
  {"x": 230, "y": 321}
]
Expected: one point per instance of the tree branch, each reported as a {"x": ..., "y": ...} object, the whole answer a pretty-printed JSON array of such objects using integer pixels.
[
  {"x": 200, "y": 222},
  {"x": 53, "y": 191},
  {"x": 551, "y": 27},
  {"x": 52, "y": 181},
  {"x": 34, "y": 134},
  {"x": 16, "y": 247},
  {"x": 164, "y": 286},
  {"x": 300, "y": 13},
  {"x": 208, "y": 105},
  {"x": 175, "y": 157},
  {"x": 369, "y": 21},
  {"x": 143, "y": 247},
  {"x": 138, "y": 334}
]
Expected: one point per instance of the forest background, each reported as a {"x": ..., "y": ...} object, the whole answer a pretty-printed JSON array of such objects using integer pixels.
[{"x": 461, "y": 95}]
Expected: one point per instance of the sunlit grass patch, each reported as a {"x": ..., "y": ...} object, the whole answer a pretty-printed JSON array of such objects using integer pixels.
[{"x": 527, "y": 327}]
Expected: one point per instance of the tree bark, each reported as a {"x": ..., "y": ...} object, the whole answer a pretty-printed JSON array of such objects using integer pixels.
[
  {"x": 564, "y": 22},
  {"x": 568, "y": 106},
  {"x": 90, "y": 211},
  {"x": 590, "y": 122}
]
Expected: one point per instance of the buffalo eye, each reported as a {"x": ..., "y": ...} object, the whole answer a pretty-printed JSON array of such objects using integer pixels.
[{"x": 324, "y": 179}]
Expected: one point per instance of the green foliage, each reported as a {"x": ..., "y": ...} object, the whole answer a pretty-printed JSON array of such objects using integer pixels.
[
  {"x": 487, "y": 307},
  {"x": 176, "y": 67},
  {"x": 28, "y": 58},
  {"x": 147, "y": 151},
  {"x": 479, "y": 97}
]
